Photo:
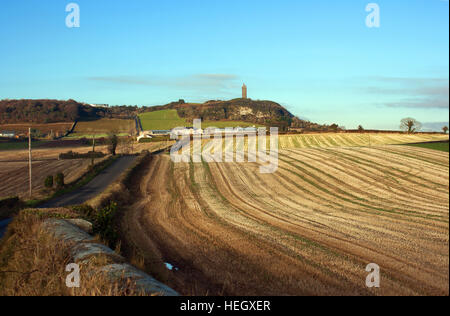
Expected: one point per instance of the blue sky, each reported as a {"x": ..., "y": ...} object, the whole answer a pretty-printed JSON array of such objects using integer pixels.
[{"x": 317, "y": 58}]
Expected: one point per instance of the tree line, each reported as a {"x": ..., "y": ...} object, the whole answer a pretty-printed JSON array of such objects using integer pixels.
[
  {"x": 56, "y": 111},
  {"x": 46, "y": 111}
]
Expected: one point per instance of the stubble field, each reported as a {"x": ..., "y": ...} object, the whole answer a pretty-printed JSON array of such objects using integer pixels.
[
  {"x": 15, "y": 175},
  {"x": 311, "y": 228},
  {"x": 326, "y": 140}
]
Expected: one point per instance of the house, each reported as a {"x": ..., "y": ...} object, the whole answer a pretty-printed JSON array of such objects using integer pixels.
[
  {"x": 8, "y": 134},
  {"x": 144, "y": 135},
  {"x": 151, "y": 134},
  {"x": 231, "y": 131},
  {"x": 159, "y": 133},
  {"x": 187, "y": 131},
  {"x": 100, "y": 105}
]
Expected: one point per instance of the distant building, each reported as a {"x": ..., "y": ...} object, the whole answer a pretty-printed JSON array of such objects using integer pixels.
[
  {"x": 100, "y": 105},
  {"x": 159, "y": 133},
  {"x": 8, "y": 134},
  {"x": 144, "y": 135},
  {"x": 233, "y": 131},
  {"x": 185, "y": 131},
  {"x": 244, "y": 91}
]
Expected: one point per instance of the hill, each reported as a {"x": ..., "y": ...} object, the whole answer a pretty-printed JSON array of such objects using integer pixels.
[
  {"x": 168, "y": 119},
  {"x": 251, "y": 112},
  {"x": 243, "y": 110},
  {"x": 46, "y": 111}
]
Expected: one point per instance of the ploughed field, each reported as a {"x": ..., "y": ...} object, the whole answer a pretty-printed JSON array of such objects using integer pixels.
[
  {"x": 14, "y": 166},
  {"x": 311, "y": 228},
  {"x": 15, "y": 178},
  {"x": 56, "y": 128}
]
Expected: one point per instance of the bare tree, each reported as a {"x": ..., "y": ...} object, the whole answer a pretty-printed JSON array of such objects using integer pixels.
[
  {"x": 410, "y": 125},
  {"x": 445, "y": 129},
  {"x": 113, "y": 141},
  {"x": 93, "y": 143}
]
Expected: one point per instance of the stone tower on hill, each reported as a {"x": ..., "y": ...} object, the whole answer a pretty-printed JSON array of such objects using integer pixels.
[{"x": 244, "y": 91}]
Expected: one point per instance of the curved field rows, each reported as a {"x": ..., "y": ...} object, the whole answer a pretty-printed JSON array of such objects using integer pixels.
[
  {"x": 327, "y": 140},
  {"x": 308, "y": 229},
  {"x": 354, "y": 140}
]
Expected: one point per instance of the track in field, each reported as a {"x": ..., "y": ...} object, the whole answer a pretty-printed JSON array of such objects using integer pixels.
[{"x": 309, "y": 229}]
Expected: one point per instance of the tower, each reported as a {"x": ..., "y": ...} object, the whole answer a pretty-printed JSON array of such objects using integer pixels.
[{"x": 244, "y": 91}]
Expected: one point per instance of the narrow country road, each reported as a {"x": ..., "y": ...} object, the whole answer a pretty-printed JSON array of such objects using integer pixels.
[
  {"x": 93, "y": 188},
  {"x": 86, "y": 192}
]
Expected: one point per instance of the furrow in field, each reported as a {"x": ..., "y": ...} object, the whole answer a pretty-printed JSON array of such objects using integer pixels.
[
  {"x": 392, "y": 168},
  {"x": 368, "y": 183},
  {"x": 335, "y": 190},
  {"x": 434, "y": 177},
  {"x": 253, "y": 211},
  {"x": 308, "y": 229},
  {"x": 17, "y": 174},
  {"x": 251, "y": 203},
  {"x": 422, "y": 157}
]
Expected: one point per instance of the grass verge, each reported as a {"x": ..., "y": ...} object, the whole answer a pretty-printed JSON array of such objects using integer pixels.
[
  {"x": 32, "y": 262},
  {"x": 9, "y": 206},
  {"x": 436, "y": 146}
]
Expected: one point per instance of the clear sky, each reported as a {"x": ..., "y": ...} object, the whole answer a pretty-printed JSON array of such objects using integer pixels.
[{"x": 317, "y": 58}]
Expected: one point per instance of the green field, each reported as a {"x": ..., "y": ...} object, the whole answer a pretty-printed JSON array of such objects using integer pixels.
[
  {"x": 103, "y": 127},
  {"x": 168, "y": 119},
  {"x": 162, "y": 120},
  {"x": 435, "y": 146}
]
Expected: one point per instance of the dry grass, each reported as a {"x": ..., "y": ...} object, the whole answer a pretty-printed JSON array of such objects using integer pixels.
[
  {"x": 309, "y": 229},
  {"x": 32, "y": 263}
]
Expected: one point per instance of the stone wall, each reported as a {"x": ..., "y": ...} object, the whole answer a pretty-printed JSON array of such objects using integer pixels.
[{"x": 84, "y": 248}]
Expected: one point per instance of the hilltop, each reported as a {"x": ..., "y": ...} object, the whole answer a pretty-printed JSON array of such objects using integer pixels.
[{"x": 258, "y": 112}]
